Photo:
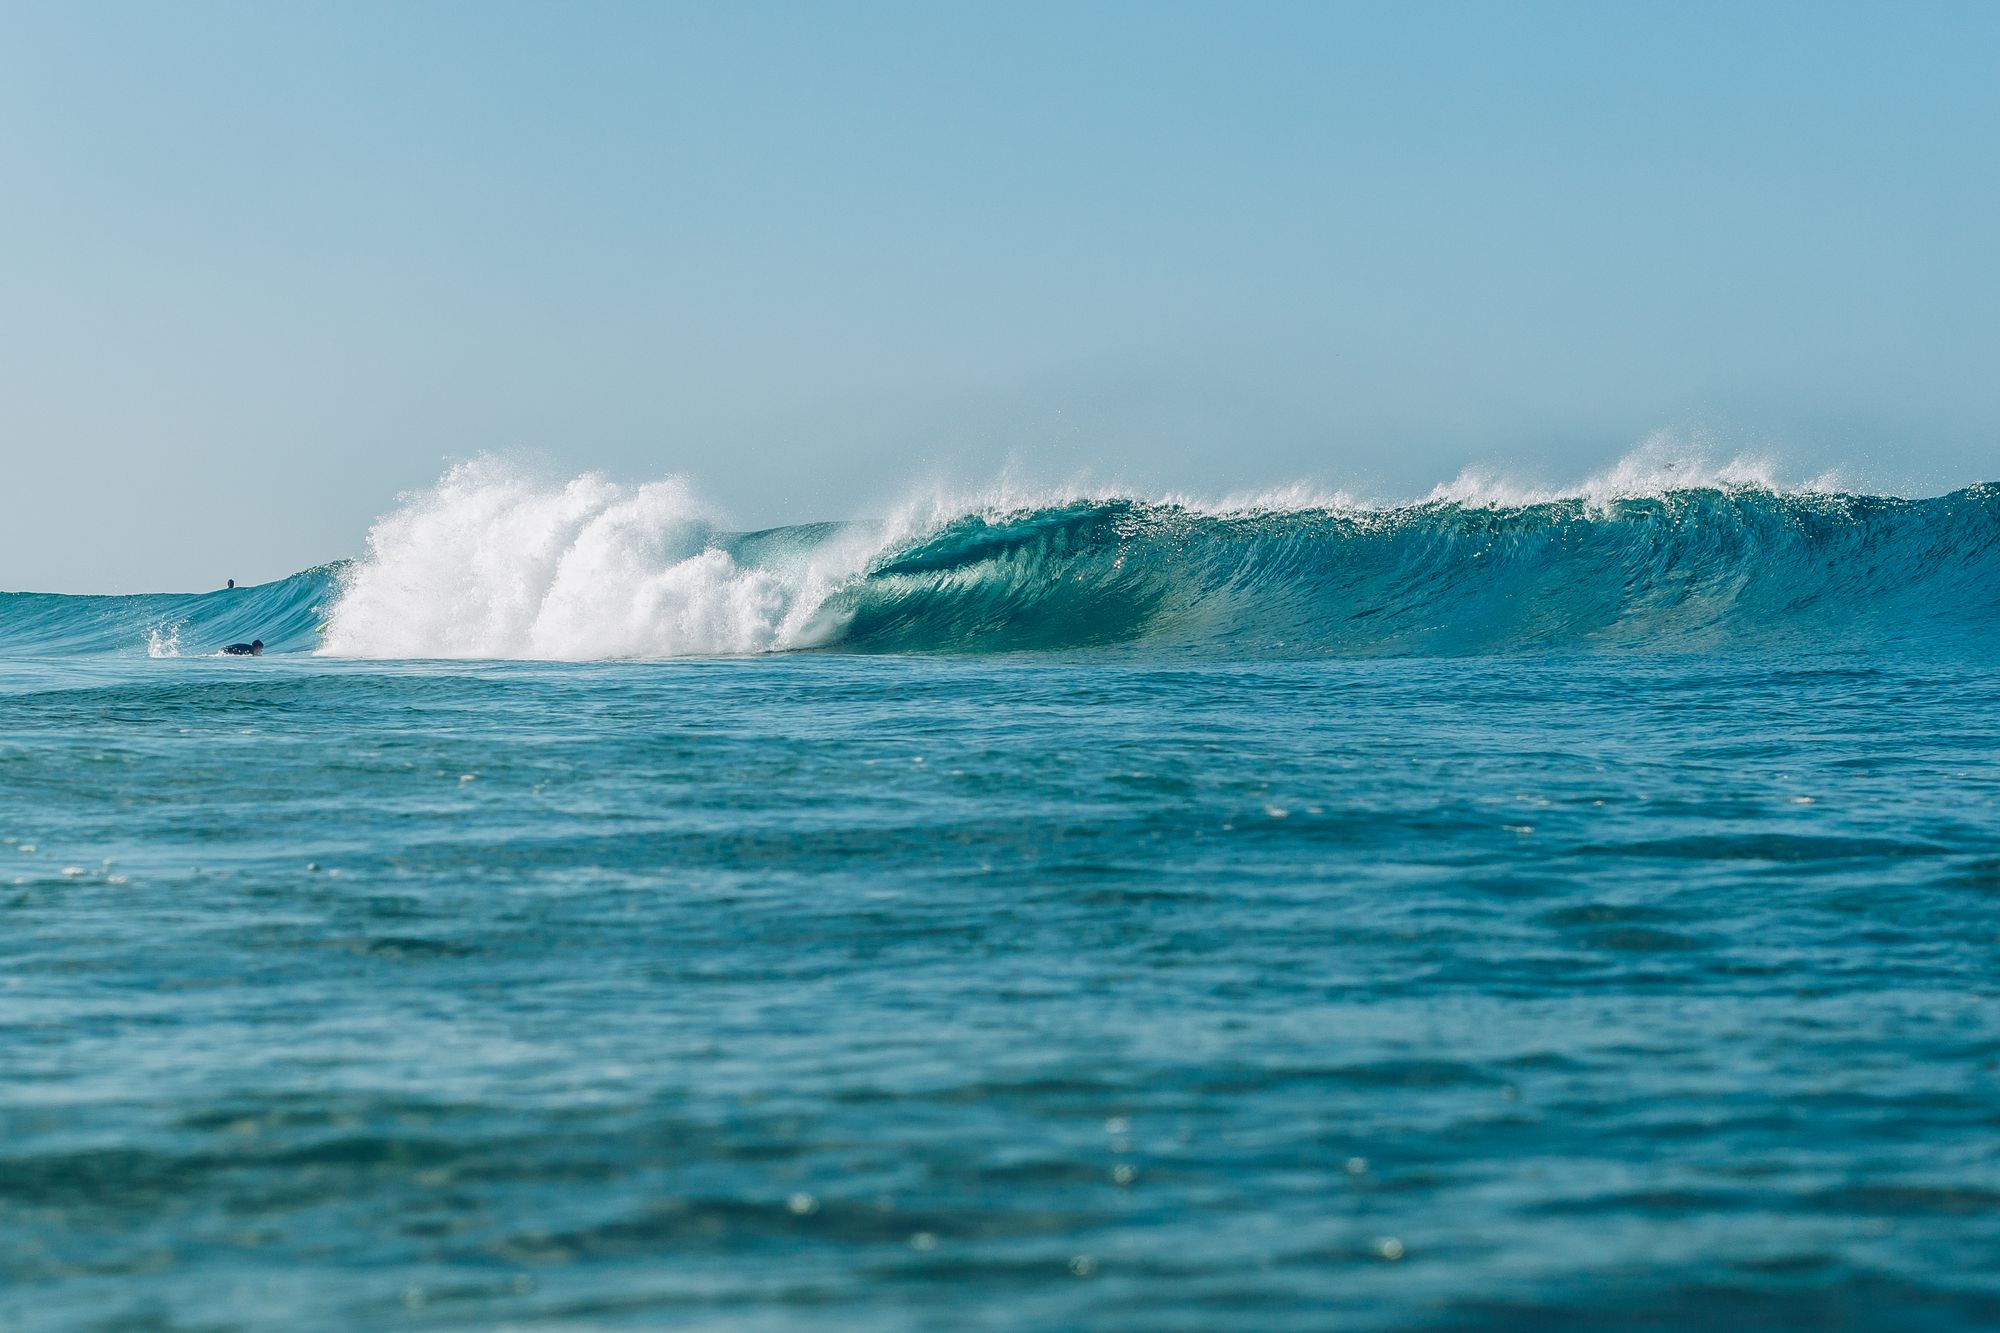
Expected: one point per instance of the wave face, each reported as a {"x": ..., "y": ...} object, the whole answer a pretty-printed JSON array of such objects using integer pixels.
[
  {"x": 1683, "y": 570},
  {"x": 491, "y": 565},
  {"x": 286, "y": 615}
]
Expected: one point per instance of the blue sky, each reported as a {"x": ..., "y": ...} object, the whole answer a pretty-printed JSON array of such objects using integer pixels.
[{"x": 264, "y": 266}]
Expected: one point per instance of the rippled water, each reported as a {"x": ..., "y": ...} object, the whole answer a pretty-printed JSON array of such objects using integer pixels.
[{"x": 1564, "y": 992}]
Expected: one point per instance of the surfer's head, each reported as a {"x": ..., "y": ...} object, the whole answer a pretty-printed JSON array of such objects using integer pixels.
[{"x": 256, "y": 645}]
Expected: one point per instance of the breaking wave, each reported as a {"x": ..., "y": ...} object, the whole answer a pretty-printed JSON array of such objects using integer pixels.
[{"x": 491, "y": 564}]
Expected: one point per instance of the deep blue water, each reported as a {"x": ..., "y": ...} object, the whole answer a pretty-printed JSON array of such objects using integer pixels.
[
  {"x": 1631, "y": 965},
  {"x": 879, "y": 992}
]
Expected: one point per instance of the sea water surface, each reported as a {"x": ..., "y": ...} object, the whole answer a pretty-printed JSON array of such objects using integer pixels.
[{"x": 1581, "y": 914}]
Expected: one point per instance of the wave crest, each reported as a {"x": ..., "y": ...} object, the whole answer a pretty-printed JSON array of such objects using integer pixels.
[
  {"x": 1652, "y": 555},
  {"x": 1659, "y": 552}
]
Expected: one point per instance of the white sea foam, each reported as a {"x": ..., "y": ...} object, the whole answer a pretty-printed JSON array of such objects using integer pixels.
[
  {"x": 164, "y": 640},
  {"x": 493, "y": 563}
]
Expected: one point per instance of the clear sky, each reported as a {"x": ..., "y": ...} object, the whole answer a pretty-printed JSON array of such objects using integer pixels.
[{"x": 262, "y": 266}]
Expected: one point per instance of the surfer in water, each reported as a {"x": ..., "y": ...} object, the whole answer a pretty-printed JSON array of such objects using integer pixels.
[{"x": 254, "y": 648}]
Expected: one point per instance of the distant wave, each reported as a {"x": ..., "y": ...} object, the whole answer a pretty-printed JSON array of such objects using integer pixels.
[{"x": 490, "y": 564}]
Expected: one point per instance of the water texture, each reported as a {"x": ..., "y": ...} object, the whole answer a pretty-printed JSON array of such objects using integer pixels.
[{"x": 1578, "y": 914}]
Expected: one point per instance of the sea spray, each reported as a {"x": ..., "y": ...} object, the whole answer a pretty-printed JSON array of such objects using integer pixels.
[
  {"x": 1660, "y": 553},
  {"x": 493, "y": 564}
]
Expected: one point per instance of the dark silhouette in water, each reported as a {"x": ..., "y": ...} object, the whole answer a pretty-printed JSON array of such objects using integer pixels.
[
  {"x": 254, "y": 648},
  {"x": 232, "y": 583}
]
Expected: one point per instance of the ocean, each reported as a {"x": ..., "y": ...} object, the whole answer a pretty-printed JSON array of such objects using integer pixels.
[{"x": 1541, "y": 912}]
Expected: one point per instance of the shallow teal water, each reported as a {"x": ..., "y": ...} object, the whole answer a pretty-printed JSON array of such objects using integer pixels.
[{"x": 1571, "y": 990}]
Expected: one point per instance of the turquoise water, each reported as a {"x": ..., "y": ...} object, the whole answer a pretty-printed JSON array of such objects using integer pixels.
[{"x": 1104, "y": 915}]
